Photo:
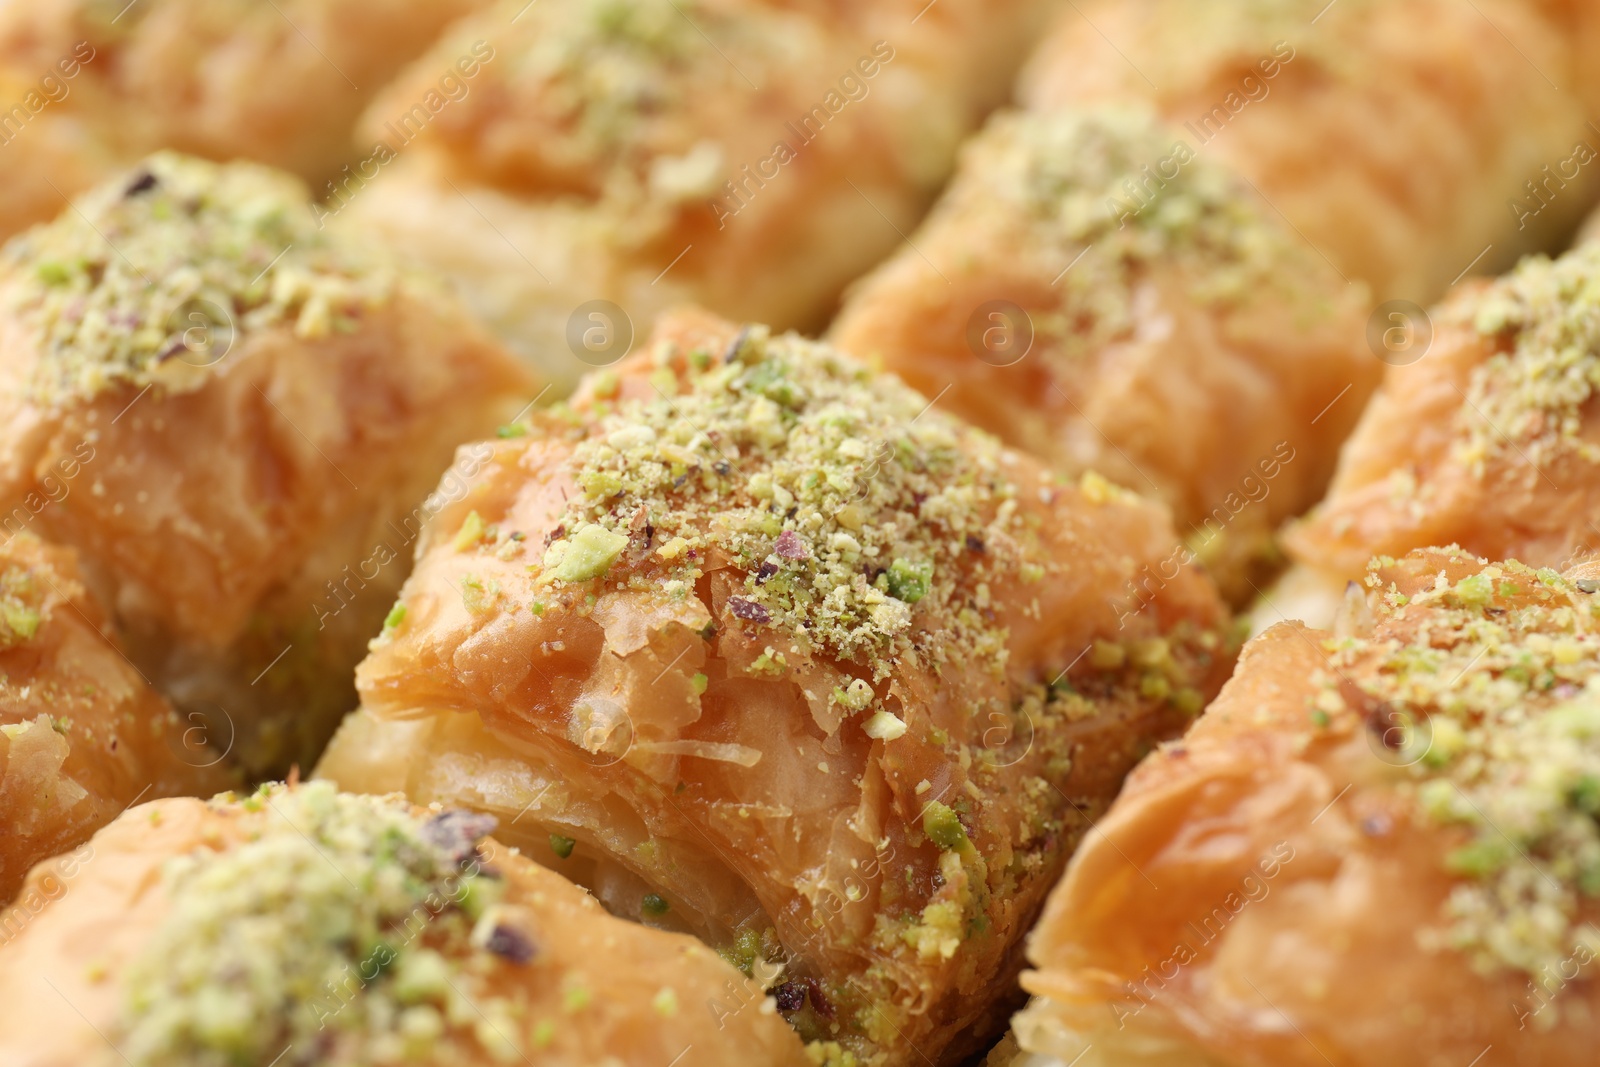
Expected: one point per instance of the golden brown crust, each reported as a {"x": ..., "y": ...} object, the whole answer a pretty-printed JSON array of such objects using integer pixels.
[
  {"x": 1157, "y": 319},
  {"x": 1296, "y": 883},
  {"x": 82, "y": 735},
  {"x": 891, "y": 840},
  {"x": 1434, "y": 115}
]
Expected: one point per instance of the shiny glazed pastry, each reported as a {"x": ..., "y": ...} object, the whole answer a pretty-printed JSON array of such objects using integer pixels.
[
  {"x": 92, "y": 85},
  {"x": 82, "y": 736},
  {"x": 1377, "y": 848},
  {"x": 301, "y": 926},
  {"x": 1096, "y": 294},
  {"x": 763, "y": 646},
  {"x": 235, "y": 419},
  {"x": 746, "y": 155},
  {"x": 1487, "y": 441},
  {"x": 1395, "y": 135}
]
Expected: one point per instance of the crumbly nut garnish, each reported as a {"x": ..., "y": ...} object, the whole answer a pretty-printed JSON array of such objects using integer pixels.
[
  {"x": 849, "y": 506},
  {"x": 1545, "y": 319},
  {"x": 1120, "y": 190},
  {"x": 1499, "y": 666},
  {"x": 156, "y": 274},
  {"x": 340, "y": 921},
  {"x": 24, "y": 604}
]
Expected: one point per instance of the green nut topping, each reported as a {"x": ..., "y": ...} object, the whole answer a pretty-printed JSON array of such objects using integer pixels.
[
  {"x": 22, "y": 599},
  {"x": 330, "y": 923},
  {"x": 842, "y": 499},
  {"x": 1500, "y": 691},
  {"x": 156, "y": 276},
  {"x": 1527, "y": 400},
  {"x": 588, "y": 555},
  {"x": 943, "y": 828}
]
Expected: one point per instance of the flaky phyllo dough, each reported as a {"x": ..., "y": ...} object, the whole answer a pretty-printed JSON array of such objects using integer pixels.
[
  {"x": 763, "y": 646},
  {"x": 1378, "y": 847}
]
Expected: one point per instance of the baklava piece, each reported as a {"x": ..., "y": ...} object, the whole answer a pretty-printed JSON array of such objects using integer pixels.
[
  {"x": 237, "y": 421},
  {"x": 1378, "y": 847},
  {"x": 1094, "y": 293},
  {"x": 761, "y": 645},
  {"x": 300, "y": 926}
]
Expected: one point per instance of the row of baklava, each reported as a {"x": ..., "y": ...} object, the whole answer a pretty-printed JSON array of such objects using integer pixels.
[{"x": 763, "y": 647}]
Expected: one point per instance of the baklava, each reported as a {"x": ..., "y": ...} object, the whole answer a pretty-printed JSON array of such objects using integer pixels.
[
  {"x": 300, "y": 926},
  {"x": 267, "y": 409},
  {"x": 1095, "y": 293},
  {"x": 762, "y": 646},
  {"x": 1379, "y": 847}
]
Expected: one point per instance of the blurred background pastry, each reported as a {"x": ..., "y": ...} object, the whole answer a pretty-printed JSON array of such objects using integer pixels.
[
  {"x": 760, "y": 645},
  {"x": 267, "y": 409},
  {"x": 94, "y": 85},
  {"x": 614, "y": 160},
  {"x": 315, "y": 927},
  {"x": 1393, "y": 136},
  {"x": 1093, "y": 291}
]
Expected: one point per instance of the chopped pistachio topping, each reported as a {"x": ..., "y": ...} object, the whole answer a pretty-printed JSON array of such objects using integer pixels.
[
  {"x": 942, "y": 826},
  {"x": 156, "y": 275},
  {"x": 588, "y": 555},
  {"x": 842, "y": 499},
  {"x": 1500, "y": 668},
  {"x": 1118, "y": 189},
  {"x": 1545, "y": 319},
  {"x": 338, "y": 922},
  {"x": 22, "y": 605}
]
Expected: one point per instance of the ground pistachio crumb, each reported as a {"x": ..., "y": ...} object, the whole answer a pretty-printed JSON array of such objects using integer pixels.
[
  {"x": 154, "y": 276},
  {"x": 845, "y": 502},
  {"x": 22, "y": 605},
  {"x": 1527, "y": 400},
  {"x": 1499, "y": 665},
  {"x": 338, "y": 921}
]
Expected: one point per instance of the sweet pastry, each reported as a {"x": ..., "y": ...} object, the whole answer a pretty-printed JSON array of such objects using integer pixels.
[
  {"x": 1410, "y": 141},
  {"x": 90, "y": 86},
  {"x": 299, "y": 925},
  {"x": 1378, "y": 847},
  {"x": 1093, "y": 292},
  {"x": 763, "y": 646},
  {"x": 82, "y": 735},
  {"x": 236, "y": 420},
  {"x": 1487, "y": 441},
  {"x": 618, "y": 160}
]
